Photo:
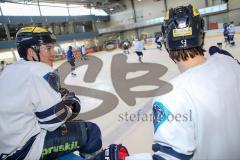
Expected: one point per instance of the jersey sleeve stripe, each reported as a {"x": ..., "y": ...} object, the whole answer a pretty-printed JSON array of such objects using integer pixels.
[
  {"x": 157, "y": 157},
  {"x": 171, "y": 152},
  {"x": 62, "y": 117},
  {"x": 51, "y": 111}
]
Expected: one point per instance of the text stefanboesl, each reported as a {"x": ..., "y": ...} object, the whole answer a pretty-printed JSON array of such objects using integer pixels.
[{"x": 144, "y": 117}]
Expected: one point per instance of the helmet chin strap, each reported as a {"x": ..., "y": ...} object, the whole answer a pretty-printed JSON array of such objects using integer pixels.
[
  {"x": 37, "y": 51},
  {"x": 35, "y": 59},
  {"x": 39, "y": 59}
]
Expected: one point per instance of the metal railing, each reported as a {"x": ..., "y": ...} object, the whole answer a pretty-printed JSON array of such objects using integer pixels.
[{"x": 156, "y": 21}]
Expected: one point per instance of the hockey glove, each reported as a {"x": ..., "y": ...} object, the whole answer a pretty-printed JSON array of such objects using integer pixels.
[
  {"x": 72, "y": 102},
  {"x": 63, "y": 91}
]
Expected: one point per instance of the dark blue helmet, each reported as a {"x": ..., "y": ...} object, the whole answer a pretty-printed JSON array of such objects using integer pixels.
[{"x": 183, "y": 28}]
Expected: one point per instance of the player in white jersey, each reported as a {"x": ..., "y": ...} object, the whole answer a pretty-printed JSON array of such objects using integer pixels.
[
  {"x": 158, "y": 41},
  {"x": 138, "y": 48},
  {"x": 198, "y": 119},
  {"x": 126, "y": 46},
  {"x": 83, "y": 53},
  {"x": 36, "y": 113},
  {"x": 231, "y": 32},
  {"x": 32, "y": 109}
]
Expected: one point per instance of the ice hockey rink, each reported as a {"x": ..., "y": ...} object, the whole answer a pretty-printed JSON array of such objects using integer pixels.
[{"x": 104, "y": 100}]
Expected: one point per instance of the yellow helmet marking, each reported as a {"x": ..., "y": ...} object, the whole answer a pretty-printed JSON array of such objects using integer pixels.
[
  {"x": 33, "y": 29},
  {"x": 166, "y": 16},
  {"x": 195, "y": 11},
  {"x": 27, "y": 29},
  {"x": 39, "y": 30}
]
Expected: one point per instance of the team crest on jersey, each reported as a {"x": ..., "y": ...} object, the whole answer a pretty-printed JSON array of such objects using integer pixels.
[
  {"x": 160, "y": 115},
  {"x": 54, "y": 80}
]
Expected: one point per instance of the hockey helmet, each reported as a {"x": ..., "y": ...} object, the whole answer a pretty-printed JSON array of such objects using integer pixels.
[
  {"x": 33, "y": 37},
  {"x": 183, "y": 28}
]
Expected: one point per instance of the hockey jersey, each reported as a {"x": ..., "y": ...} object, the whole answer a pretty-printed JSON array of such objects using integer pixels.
[
  {"x": 26, "y": 107},
  {"x": 199, "y": 118},
  {"x": 231, "y": 29},
  {"x": 138, "y": 46}
]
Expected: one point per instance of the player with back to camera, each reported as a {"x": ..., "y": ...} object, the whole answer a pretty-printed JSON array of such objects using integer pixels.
[{"x": 204, "y": 100}]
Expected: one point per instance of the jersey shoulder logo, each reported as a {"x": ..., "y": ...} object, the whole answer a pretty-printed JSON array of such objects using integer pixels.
[
  {"x": 160, "y": 115},
  {"x": 53, "y": 80}
]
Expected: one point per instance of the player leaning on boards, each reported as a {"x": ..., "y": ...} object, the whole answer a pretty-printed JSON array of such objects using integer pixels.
[
  {"x": 209, "y": 88},
  {"x": 35, "y": 113}
]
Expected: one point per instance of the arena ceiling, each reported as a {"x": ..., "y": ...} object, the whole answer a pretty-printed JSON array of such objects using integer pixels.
[{"x": 109, "y": 6}]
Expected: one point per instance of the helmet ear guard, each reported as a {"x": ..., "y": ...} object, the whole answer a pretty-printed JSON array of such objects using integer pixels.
[
  {"x": 36, "y": 48},
  {"x": 22, "y": 50}
]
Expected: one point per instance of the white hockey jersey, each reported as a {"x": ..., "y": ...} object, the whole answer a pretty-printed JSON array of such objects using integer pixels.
[
  {"x": 199, "y": 119},
  {"x": 138, "y": 46},
  {"x": 83, "y": 50},
  {"x": 231, "y": 29},
  {"x": 26, "y": 107},
  {"x": 126, "y": 43},
  {"x": 159, "y": 39}
]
